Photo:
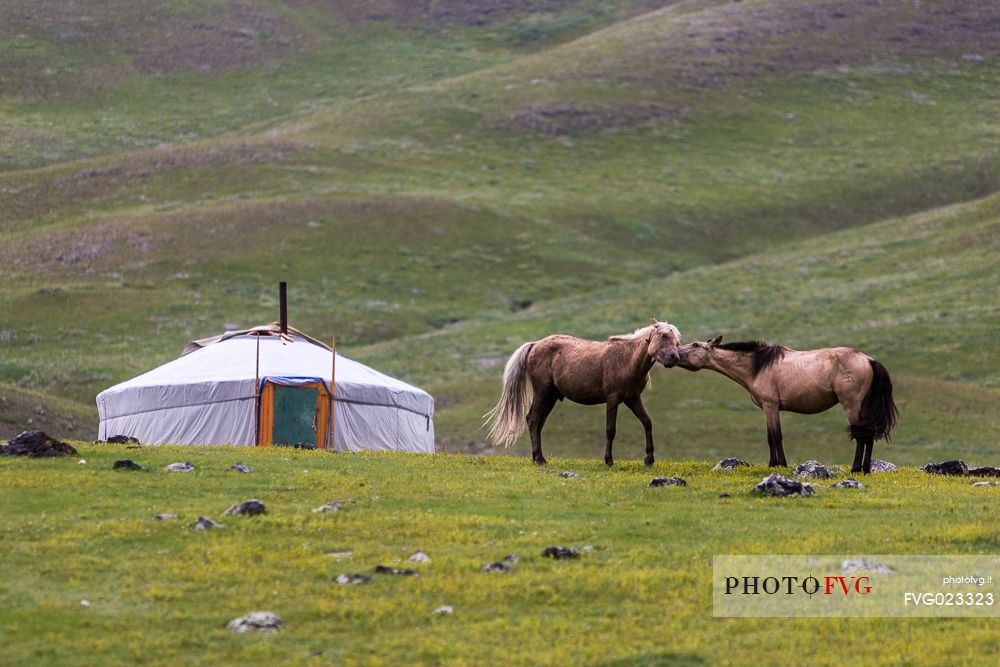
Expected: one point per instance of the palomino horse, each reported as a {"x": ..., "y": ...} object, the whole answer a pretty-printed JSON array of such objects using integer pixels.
[
  {"x": 807, "y": 382},
  {"x": 614, "y": 371}
]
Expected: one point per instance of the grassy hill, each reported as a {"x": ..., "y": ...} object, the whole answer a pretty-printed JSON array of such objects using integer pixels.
[
  {"x": 423, "y": 173},
  {"x": 159, "y": 593}
]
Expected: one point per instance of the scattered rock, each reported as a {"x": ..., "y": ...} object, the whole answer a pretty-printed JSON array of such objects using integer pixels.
[
  {"x": 445, "y": 609},
  {"x": 511, "y": 558},
  {"x": 568, "y": 474},
  {"x": 36, "y": 444},
  {"x": 496, "y": 566},
  {"x": 986, "y": 484},
  {"x": 256, "y": 621},
  {"x": 127, "y": 464},
  {"x": 297, "y": 445},
  {"x": 779, "y": 485},
  {"x": 204, "y": 523},
  {"x": 119, "y": 440},
  {"x": 385, "y": 569},
  {"x": 420, "y": 557},
  {"x": 559, "y": 553},
  {"x": 328, "y": 507},
  {"x": 239, "y": 467},
  {"x": 180, "y": 467},
  {"x": 955, "y": 467},
  {"x": 85, "y": 603},
  {"x": 587, "y": 548},
  {"x": 165, "y": 516},
  {"x": 730, "y": 464},
  {"x": 861, "y": 564},
  {"x": 668, "y": 481},
  {"x": 813, "y": 470},
  {"x": 878, "y": 465},
  {"x": 848, "y": 483},
  {"x": 725, "y": 495},
  {"x": 984, "y": 471},
  {"x": 339, "y": 554},
  {"x": 82, "y": 462},
  {"x": 345, "y": 579},
  {"x": 251, "y": 507}
]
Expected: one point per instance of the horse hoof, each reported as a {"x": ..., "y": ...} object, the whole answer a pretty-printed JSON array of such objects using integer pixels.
[
  {"x": 540, "y": 461},
  {"x": 609, "y": 462},
  {"x": 649, "y": 460}
]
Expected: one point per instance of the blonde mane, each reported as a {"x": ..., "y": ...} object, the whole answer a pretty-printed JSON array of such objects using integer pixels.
[{"x": 643, "y": 332}]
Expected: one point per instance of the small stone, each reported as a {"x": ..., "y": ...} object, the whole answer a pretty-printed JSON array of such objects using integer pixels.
[
  {"x": 420, "y": 557},
  {"x": 340, "y": 554},
  {"x": 725, "y": 495},
  {"x": 848, "y": 483},
  {"x": 984, "y": 471},
  {"x": 496, "y": 566},
  {"x": 239, "y": 467},
  {"x": 986, "y": 484},
  {"x": 878, "y": 465},
  {"x": 384, "y": 569},
  {"x": 255, "y": 621},
  {"x": 559, "y": 553},
  {"x": 587, "y": 548},
  {"x": 861, "y": 564},
  {"x": 82, "y": 462},
  {"x": 813, "y": 470},
  {"x": 568, "y": 474},
  {"x": 955, "y": 467},
  {"x": 445, "y": 609},
  {"x": 730, "y": 464},
  {"x": 126, "y": 464},
  {"x": 345, "y": 579},
  {"x": 511, "y": 558},
  {"x": 779, "y": 485},
  {"x": 328, "y": 507},
  {"x": 85, "y": 603},
  {"x": 668, "y": 481},
  {"x": 179, "y": 467},
  {"x": 204, "y": 523},
  {"x": 251, "y": 507},
  {"x": 165, "y": 516}
]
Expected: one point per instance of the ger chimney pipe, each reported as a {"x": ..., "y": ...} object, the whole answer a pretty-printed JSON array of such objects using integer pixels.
[{"x": 283, "y": 306}]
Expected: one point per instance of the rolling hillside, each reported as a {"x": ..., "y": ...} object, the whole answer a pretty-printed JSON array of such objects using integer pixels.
[{"x": 454, "y": 178}]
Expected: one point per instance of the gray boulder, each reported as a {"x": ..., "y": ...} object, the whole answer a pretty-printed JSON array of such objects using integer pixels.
[
  {"x": 955, "y": 467},
  {"x": 878, "y": 465},
  {"x": 256, "y": 621},
  {"x": 730, "y": 464},
  {"x": 180, "y": 467},
  {"x": 779, "y": 485},
  {"x": 668, "y": 481},
  {"x": 813, "y": 470},
  {"x": 251, "y": 507},
  {"x": 849, "y": 484}
]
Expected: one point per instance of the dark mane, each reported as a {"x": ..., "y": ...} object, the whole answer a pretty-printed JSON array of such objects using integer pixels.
[{"x": 764, "y": 355}]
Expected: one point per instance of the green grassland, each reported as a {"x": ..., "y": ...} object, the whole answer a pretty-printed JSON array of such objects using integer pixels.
[
  {"x": 160, "y": 593},
  {"x": 440, "y": 182}
]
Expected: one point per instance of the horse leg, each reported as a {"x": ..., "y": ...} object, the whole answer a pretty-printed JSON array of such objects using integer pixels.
[
  {"x": 541, "y": 406},
  {"x": 609, "y": 430},
  {"x": 639, "y": 410},
  {"x": 869, "y": 445},
  {"x": 859, "y": 452},
  {"x": 774, "y": 436}
]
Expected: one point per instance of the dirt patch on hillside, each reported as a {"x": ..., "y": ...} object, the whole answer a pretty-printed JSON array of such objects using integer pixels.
[
  {"x": 45, "y": 196},
  {"x": 555, "y": 119},
  {"x": 738, "y": 41},
  {"x": 435, "y": 13},
  {"x": 159, "y": 37}
]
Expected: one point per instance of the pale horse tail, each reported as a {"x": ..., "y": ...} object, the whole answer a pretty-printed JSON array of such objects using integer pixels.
[{"x": 508, "y": 414}]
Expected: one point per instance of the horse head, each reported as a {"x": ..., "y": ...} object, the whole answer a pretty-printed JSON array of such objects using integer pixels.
[
  {"x": 662, "y": 344},
  {"x": 694, "y": 356}
]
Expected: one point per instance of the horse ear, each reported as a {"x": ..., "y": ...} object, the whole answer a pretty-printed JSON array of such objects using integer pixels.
[
  {"x": 715, "y": 341},
  {"x": 654, "y": 320}
]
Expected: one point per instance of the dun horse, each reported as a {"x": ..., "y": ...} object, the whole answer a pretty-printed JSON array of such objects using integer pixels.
[
  {"x": 806, "y": 382},
  {"x": 584, "y": 371}
]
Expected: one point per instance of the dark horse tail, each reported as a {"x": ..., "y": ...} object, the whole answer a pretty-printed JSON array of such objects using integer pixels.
[{"x": 878, "y": 411}]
